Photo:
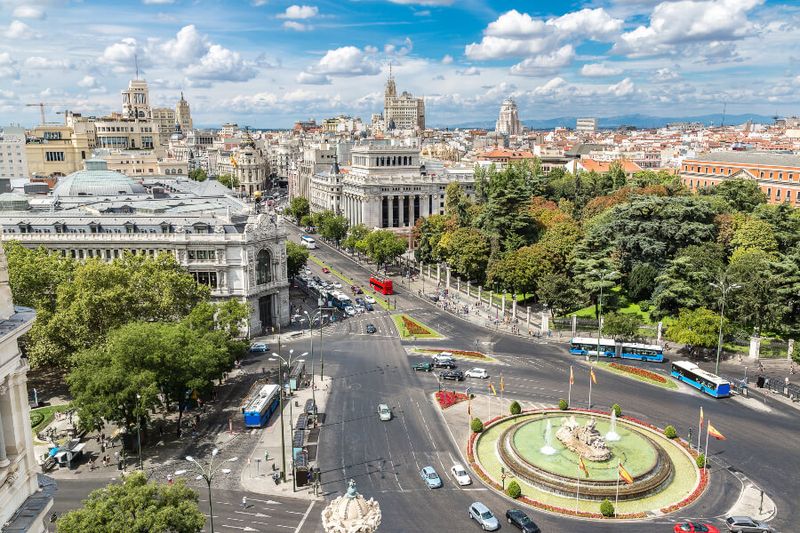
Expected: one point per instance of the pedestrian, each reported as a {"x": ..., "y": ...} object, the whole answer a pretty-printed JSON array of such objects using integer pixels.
[
  {"x": 116, "y": 457},
  {"x": 169, "y": 479},
  {"x": 244, "y": 502},
  {"x": 102, "y": 446},
  {"x": 91, "y": 465}
]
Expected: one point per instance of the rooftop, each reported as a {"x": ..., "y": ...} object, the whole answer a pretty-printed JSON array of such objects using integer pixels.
[{"x": 752, "y": 157}]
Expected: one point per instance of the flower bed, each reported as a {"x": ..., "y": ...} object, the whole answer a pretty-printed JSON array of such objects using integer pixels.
[
  {"x": 639, "y": 372},
  {"x": 691, "y": 497},
  {"x": 468, "y": 354},
  {"x": 413, "y": 327},
  {"x": 448, "y": 398}
]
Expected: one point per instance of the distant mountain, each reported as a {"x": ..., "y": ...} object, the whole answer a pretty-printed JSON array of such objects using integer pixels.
[{"x": 639, "y": 121}]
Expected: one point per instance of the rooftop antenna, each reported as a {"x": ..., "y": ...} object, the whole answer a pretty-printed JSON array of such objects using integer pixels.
[{"x": 136, "y": 63}]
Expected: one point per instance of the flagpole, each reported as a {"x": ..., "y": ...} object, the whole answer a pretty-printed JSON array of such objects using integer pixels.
[
  {"x": 578, "y": 492},
  {"x": 590, "y": 388},
  {"x": 705, "y": 463},
  {"x": 616, "y": 501},
  {"x": 569, "y": 394},
  {"x": 699, "y": 429}
]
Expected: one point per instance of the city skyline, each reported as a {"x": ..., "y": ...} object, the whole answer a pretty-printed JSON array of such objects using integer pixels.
[{"x": 267, "y": 64}]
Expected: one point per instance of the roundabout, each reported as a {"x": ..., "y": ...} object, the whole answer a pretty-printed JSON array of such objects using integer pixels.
[{"x": 570, "y": 461}]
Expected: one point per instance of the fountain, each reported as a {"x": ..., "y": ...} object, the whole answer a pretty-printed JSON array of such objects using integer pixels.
[
  {"x": 612, "y": 435},
  {"x": 548, "y": 449}
]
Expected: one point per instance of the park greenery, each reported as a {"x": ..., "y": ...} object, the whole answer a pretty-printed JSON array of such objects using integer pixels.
[
  {"x": 296, "y": 258},
  {"x": 133, "y": 334},
  {"x": 137, "y": 505},
  {"x": 657, "y": 251}
]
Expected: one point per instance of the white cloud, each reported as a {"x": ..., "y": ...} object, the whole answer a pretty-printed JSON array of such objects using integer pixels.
[
  {"x": 595, "y": 24},
  {"x": 471, "y": 71},
  {"x": 297, "y": 26},
  {"x": 492, "y": 47},
  {"x": 674, "y": 24},
  {"x": 26, "y": 11},
  {"x": 666, "y": 74},
  {"x": 541, "y": 64},
  {"x": 88, "y": 82},
  {"x": 299, "y": 12},
  {"x": 259, "y": 3},
  {"x": 188, "y": 46},
  {"x": 308, "y": 78},
  {"x": 345, "y": 61},
  {"x": 8, "y": 66},
  {"x": 447, "y": 59},
  {"x": 120, "y": 55},
  {"x": 516, "y": 25},
  {"x": 43, "y": 63},
  {"x": 623, "y": 88},
  {"x": 599, "y": 70},
  {"x": 18, "y": 30},
  {"x": 221, "y": 64},
  {"x": 393, "y": 49},
  {"x": 157, "y": 2}
]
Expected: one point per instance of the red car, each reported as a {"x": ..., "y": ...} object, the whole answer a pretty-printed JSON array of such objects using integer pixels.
[
  {"x": 695, "y": 527},
  {"x": 326, "y": 270}
]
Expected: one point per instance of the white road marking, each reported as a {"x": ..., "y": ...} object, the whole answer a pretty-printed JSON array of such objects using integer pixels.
[{"x": 303, "y": 520}]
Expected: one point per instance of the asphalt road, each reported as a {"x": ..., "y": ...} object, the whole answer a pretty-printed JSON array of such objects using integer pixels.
[{"x": 385, "y": 458}]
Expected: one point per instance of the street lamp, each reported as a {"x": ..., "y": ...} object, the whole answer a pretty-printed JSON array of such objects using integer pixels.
[
  {"x": 724, "y": 288},
  {"x": 603, "y": 275},
  {"x": 139, "y": 427},
  {"x": 207, "y": 472},
  {"x": 288, "y": 363}
]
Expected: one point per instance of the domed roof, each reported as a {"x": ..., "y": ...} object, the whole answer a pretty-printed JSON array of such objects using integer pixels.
[
  {"x": 97, "y": 180},
  {"x": 351, "y": 513}
]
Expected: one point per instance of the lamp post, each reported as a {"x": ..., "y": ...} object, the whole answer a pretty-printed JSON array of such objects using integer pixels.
[
  {"x": 207, "y": 472},
  {"x": 724, "y": 288},
  {"x": 603, "y": 275},
  {"x": 139, "y": 428},
  {"x": 288, "y": 363}
]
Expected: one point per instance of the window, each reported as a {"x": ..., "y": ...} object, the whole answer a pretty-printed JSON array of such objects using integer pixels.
[
  {"x": 52, "y": 135},
  {"x": 54, "y": 156},
  {"x": 263, "y": 267},
  {"x": 202, "y": 255}
]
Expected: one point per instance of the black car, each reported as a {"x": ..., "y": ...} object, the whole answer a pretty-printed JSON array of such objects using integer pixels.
[
  {"x": 371, "y": 329},
  {"x": 518, "y": 518},
  {"x": 446, "y": 363},
  {"x": 456, "y": 375}
]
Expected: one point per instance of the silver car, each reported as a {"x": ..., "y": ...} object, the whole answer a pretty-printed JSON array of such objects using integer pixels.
[
  {"x": 745, "y": 524},
  {"x": 481, "y": 514}
]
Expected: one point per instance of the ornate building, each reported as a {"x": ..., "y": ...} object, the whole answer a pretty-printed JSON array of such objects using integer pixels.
[
  {"x": 508, "y": 122},
  {"x": 403, "y": 112},
  {"x": 183, "y": 115},
  {"x": 351, "y": 513},
  {"x": 23, "y": 504},
  {"x": 219, "y": 239},
  {"x": 248, "y": 164}
]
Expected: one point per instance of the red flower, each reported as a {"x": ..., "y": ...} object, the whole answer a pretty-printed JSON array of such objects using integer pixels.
[{"x": 640, "y": 372}]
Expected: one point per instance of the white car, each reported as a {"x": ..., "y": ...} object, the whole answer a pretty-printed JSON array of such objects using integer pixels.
[
  {"x": 384, "y": 412},
  {"x": 350, "y": 310},
  {"x": 460, "y": 475},
  {"x": 370, "y": 300},
  {"x": 479, "y": 373},
  {"x": 337, "y": 285}
]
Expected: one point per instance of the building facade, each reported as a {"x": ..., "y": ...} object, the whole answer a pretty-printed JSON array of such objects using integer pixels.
[
  {"x": 13, "y": 157},
  {"x": 23, "y": 503},
  {"x": 586, "y": 125},
  {"x": 57, "y": 150},
  {"x": 508, "y": 122},
  {"x": 220, "y": 240},
  {"x": 404, "y": 111},
  {"x": 777, "y": 174},
  {"x": 247, "y": 164},
  {"x": 183, "y": 115}
]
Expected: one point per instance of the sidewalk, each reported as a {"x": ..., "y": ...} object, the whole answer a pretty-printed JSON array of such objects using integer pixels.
[{"x": 257, "y": 473}]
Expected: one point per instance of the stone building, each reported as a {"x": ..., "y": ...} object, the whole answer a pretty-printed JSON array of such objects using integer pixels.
[
  {"x": 183, "y": 115},
  {"x": 404, "y": 111},
  {"x": 23, "y": 503},
  {"x": 248, "y": 164},
  {"x": 219, "y": 239},
  {"x": 508, "y": 122}
]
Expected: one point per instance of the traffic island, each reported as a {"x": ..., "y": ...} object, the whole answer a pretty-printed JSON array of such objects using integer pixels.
[
  {"x": 410, "y": 328},
  {"x": 468, "y": 355}
]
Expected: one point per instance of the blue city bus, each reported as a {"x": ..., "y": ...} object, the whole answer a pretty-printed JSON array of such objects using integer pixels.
[
  {"x": 259, "y": 406},
  {"x": 698, "y": 378},
  {"x": 611, "y": 348}
]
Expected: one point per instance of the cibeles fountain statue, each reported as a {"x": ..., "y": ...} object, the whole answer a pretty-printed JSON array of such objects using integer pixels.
[{"x": 585, "y": 440}]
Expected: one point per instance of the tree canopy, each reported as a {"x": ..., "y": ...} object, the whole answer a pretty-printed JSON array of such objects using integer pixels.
[{"x": 296, "y": 258}]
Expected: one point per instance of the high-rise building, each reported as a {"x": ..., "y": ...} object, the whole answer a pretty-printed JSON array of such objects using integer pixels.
[
  {"x": 403, "y": 112},
  {"x": 136, "y": 100},
  {"x": 23, "y": 506},
  {"x": 588, "y": 125},
  {"x": 508, "y": 122},
  {"x": 13, "y": 161},
  {"x": 183, "y": 115}
]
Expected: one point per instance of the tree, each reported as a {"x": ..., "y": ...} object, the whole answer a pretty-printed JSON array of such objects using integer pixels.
[
  {"x": 786, "y": 273},
  {"x": 617, "y": 410},
  {"x": 356, "y": 238},
  {"x": 466, "y": 250},
  {"x": 741, "y": 194},
  {"x": 505, "y": 215},
  {"x": 617, "y": 174},
  {"x": 623, "y": 326},
  {"x": 457, "y": 203},
  {"x": 198, "y": 174},
  {"x": 333, "y": 227},
  {"x": 384, "y": 246},
  {"x": 755, "y": 234},
  {"x": 476, "y": 425},
  {"x": 428, "y": 232},
  {"x": 670, "y": 432},
  {"x": 296, "y": 258},
  {"x": 785, "y": 222},
  {"x": 686, "y": 282},
  {"x": 696, "y": 328},
  {"x": 229, "y": 181},
  {"x": 307, "y": 221},
  {"x": 559, "y": 293},
  {"x": 607, "y": 508},
  {"x": 514, "y": 490},
  {"x": 520, "y": 270},
  {"x": 103, "y": 296},
  {"x": 35, "y": 275},
  {"x": 515, "y": 408},
  {"x": 136, "y": 506},
  {"x": 754, "y": 304},
  {"x": 298, "y": 207},
  {"x": 641, "y": 281}
]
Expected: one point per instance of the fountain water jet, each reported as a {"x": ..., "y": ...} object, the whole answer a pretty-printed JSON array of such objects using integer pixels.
[
  {"x": 548, "y": 449},
  {"x": 612, "y": 435}
]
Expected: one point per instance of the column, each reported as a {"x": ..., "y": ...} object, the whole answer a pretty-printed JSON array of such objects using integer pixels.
[
  {"x": 3, "y": 400},
  {"x": 410, "y": 210},
  {"x": 479, "y": 293},
  {"x": 503, "y": 303},
  {"x": 660, "y": 324},
  {"x": 528, "y": 318},
  {"x": 545, "y": 322},
  {"x": 429, "y": 270},
  {"x": 458, "y": 284},
  {"x": 469, "y": 292},
  {"x": 448, "y": 278},
  {"x": 390, "y": 215},
  {"x": 514, "y": 309},
  {"x": 438, "y": 272}
]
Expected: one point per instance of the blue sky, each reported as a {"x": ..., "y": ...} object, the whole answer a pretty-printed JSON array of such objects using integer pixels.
[{"x": 269, "y": 63}]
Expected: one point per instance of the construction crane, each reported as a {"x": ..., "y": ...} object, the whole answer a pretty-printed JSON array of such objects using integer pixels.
[{"x": 41, "y": 106}]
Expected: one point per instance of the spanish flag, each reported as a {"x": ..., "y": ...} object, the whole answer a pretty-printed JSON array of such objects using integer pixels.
[
  {"x": 571, "y": 377},
  {"x": 625, "y": 475},
  {"x": 591, "y": 374},
  {"x": 701, "y": 415},
  {"x": 714, "y": 433},
  {"x": 234, "y": 162},
  {"x": 502, "y": 384},
  {"x": 491, "y": 387},
  {"x": 582, "y": 466}
]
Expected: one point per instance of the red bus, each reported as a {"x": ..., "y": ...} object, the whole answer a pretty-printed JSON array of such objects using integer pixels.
[{"x": 381, "y": 285}]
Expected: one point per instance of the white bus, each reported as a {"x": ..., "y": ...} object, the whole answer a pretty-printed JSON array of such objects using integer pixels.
[{"x": 308, "y": 242}]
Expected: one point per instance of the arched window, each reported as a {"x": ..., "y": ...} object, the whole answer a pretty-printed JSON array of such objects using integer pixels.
[{"x": 263, "y": 267}]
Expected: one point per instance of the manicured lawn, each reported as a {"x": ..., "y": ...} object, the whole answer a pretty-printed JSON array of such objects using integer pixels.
[
  {"x": 670, "y": 383},
  {"x": 411, "y": 328},
  {"x": 625, "y": 306},
  {"x": 44, "y": 415}
]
